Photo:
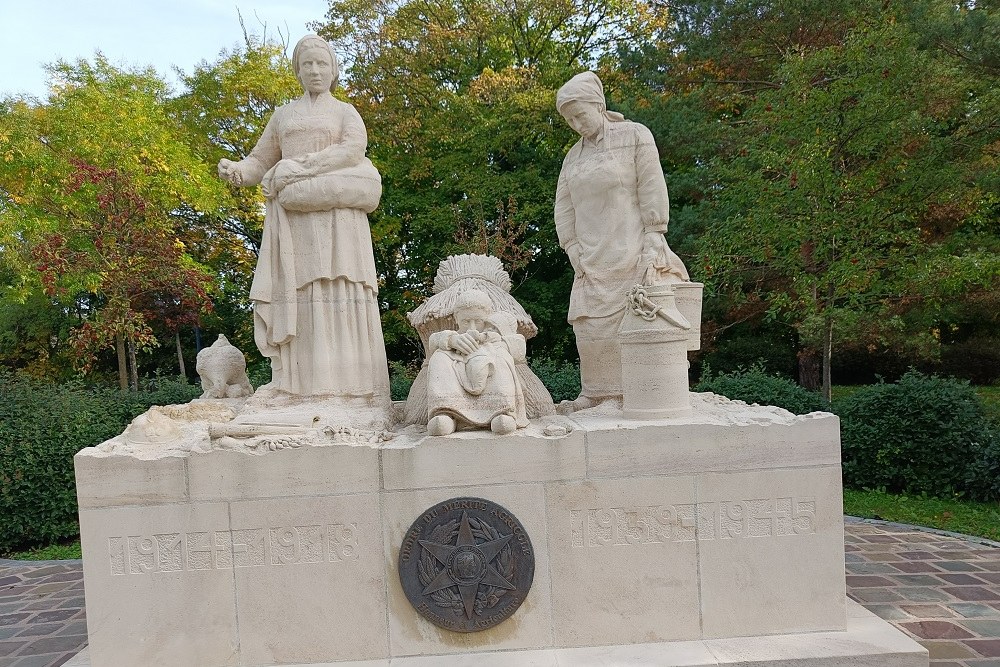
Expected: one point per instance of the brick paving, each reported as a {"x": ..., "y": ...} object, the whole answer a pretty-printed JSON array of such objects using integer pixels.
[
  {"x": 942, "y": 590},
  {"x": 42, "y": 622}
]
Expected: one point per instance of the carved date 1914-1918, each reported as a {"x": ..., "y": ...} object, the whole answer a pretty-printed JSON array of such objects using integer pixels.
[
  {"x": 227, "y": 549},
  {"x": 466, "y": 564},
  {"x": 723, "y": 520}
]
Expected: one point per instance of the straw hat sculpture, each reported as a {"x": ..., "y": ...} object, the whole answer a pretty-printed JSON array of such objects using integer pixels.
[{"x": 455, "y": 275}]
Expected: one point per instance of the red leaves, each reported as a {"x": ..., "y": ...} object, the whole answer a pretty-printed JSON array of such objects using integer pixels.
[
  {"x": 124, "y": 251},
  {"x": 51, "y": 261}
]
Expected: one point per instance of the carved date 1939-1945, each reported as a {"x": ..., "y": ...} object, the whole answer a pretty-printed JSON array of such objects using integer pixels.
[
  {"x": 723, "y": 520},
  {"x": 227, "y": 549}
]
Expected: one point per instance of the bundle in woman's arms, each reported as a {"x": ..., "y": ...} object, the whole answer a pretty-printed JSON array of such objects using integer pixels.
[{"x": 357, "y": 186}]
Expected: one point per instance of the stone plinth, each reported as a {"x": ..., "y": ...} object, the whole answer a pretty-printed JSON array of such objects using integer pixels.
[
  {"x": 867, "y": 641},
  {"x": 665, "y": 538}
]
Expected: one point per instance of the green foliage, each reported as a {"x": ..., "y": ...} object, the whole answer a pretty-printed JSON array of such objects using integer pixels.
[
  {"x": 167, "y": 390},
  {"x": 459, "y": 101},
  {"x": 69, "y": 551},
  {"x": 983, "y": 475},
  {"x": 401, "y": 377},
  {"x": 976, "y": 359},
  {"x": 561, "y": 378},
  {"x": 849, "y": 177},
  {"x": 991, "y": 401},
  {"x": 754, "y": 385},
  {"x": 259, "y": 372},
  {"x": 91, "y": 184},
  {"x": 922, "y": 435},
  {"x": 960, "y": 516},
  {"x": 42, "y": 426},
  {"x": 768, "y": 345}
]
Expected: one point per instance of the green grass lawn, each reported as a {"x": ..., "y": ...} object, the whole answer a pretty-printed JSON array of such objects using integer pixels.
[
  {"x": 980, "y": 519},
  {"x": 66, "y": 551}
]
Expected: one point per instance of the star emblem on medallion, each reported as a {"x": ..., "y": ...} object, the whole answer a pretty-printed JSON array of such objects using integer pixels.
[{"x": 467, "y": 564}]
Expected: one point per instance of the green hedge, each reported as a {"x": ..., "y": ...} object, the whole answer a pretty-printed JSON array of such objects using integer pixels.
[
  {"x": 921, "y": 435},
  {"x": 561, "y": 378},
  {"x": 754, "y": 385},
  {"x": 41, "y": 427}
]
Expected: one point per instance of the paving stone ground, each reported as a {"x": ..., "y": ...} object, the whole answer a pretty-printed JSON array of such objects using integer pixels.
[
  {"x": 942, "y": 590},
  {"x": 42, "y": 622}
]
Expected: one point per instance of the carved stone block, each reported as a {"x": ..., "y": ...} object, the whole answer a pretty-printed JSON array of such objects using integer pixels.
[
  {"x": 624, "y": 561},
  {"x": 654, "y": 542},
  {"x": 159, "y": 586},
  {"x": 311, "y": 579}
]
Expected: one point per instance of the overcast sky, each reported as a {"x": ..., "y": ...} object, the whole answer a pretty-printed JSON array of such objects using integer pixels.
[{"x": 160, "y": 33}]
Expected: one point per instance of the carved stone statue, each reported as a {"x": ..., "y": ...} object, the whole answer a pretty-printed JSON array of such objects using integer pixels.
[
  {"x": 610, "y": 215},
  {"x": 471, "y": 376},
  {"x": 455, "y": 276},
  {"x": 314, "y": 290},
  {"x": 223, "y": 370}
]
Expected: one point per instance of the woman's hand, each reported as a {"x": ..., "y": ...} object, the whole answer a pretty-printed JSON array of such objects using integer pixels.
[
  {"x": 654, "y": 249},
  {"x": 466, "y": 343},
  {"x": 230, "y": 171},
  {"x": 575, "y": 253}
]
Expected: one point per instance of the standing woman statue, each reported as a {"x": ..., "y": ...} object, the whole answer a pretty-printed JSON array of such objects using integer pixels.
[
  {"x": 314, "y": 289},
  {"x": 610, "y": 214}
]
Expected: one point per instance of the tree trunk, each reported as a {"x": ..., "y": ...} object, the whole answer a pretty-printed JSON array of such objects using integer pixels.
[
  {"x": 180, "y": 354},
  {"x": 122, "y": 364},
  {"x": 827, "y": 359},
  {"x": 809, "y": 369},
  {"x": 133, "y": 367}
]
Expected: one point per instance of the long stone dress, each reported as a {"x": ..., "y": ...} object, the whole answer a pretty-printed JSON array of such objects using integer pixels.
[{"x": 314, "y": 290}]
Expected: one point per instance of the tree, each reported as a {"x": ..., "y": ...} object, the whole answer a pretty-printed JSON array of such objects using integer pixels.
[
  {"x": 223, "y": 111},
  {"x": 848, "y": 184},
  {"x": 91, "y": 185},
  {"x": 459, "y": 100}
]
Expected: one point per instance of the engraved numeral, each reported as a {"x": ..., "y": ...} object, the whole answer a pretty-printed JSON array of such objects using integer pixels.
[{"x": 687, "y": 522}]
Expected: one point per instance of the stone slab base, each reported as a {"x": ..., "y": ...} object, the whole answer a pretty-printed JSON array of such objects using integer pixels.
[
  {"x": 725, "y": 523},
  {"x": 868, "y": 642}
]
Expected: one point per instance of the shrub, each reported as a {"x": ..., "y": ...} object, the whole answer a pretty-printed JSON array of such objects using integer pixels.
[
  {"x": 161, "y": 390},
  {"x": 401, "y": 377},
  {"x": 976, "y": 359},
  {"x": 42, "y": 426},
  {"x": 922, "y": 435},
  {"x": 736, "y": 353},
  {"x": 561, "y": 378},
  {"x": 754, "y": 385},
  {"x": 983, "y": 478},
  {"x": 259, "y": 373}
]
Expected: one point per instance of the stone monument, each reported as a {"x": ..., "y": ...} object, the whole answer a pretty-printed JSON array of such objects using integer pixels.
[
  {"x": 314, "y": 289},
  {"x": 223, "y": 371},
  {"x": 455, "y": 276},
  {"x": 648, "y": 526},
  {"x": 471, "y": 376}
]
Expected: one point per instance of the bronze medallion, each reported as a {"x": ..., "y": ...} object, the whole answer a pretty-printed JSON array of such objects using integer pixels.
[{"x": 466, "y": 564}]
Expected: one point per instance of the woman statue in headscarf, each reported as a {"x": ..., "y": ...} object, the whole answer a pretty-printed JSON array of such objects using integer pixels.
[
  {"x": 610, "y": 214},
  {"x": 314, "y": 290}
]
